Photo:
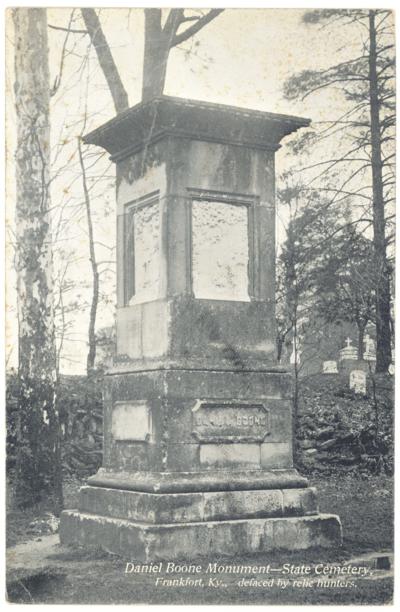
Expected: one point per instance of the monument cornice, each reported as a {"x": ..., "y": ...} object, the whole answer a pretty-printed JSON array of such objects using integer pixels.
[{"x": 149, "y": 122}]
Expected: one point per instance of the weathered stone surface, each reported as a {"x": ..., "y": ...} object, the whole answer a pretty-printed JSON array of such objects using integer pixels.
[
  {"x": 300, "y": 502},
  {"x": 196, "y": 507},
  {"x": 276, "y": 455},
  {"x": 179, "y": 455},
  {"x": 183, "y": 540},
  {"x": 225, "y": 456},
  {"x": 187, "y": 482},
  {"x": 198, "y": 408},
  {"x": 131, "y": 421},
  {"x": 199, "y": 172}
]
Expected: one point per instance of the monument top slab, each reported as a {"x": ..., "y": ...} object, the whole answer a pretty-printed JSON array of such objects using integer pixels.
[{"x": 148, "y": 122}]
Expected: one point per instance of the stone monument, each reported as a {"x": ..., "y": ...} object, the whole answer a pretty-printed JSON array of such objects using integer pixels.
[
  {"x": 348, "y": 356},
  {"x": 329, "y": 367},
  {"x": 370, "y": 354},
  {"x": 358, "y": 381},
  {"x": 197, "y": 415}
]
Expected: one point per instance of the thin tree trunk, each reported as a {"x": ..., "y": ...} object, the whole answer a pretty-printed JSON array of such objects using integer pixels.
[
  {"x": 360, "y": 349},
  {"x": 106, "y": 60},
  {"x": 296, "y": 392},
  {"x": 38, "y": 460},
  {"x": 95, "y": 273},
  {"x": 383, "y": 331},
  {"x": 279, "y": 348}
]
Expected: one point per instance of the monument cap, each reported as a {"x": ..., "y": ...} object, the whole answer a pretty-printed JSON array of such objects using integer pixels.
[{"x": 147, "y": 122}]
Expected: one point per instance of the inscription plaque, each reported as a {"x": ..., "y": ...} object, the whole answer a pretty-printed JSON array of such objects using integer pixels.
[
  {"x": 131, "y": 421},
  {"x": 230, "y": 421}
]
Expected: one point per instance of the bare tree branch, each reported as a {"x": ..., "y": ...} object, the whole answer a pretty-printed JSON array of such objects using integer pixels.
[
  {"x": 196, "y": 27},
  {"x": 70, "y": 30}
]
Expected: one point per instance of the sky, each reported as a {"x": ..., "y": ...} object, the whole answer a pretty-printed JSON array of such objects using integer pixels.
[{"x": 242, "y": 58}]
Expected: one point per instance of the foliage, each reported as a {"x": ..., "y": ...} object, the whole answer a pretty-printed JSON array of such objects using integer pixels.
[
  {"x": 314, "y": 229},
  {"x": 344, "y": 282},
  {"x": 81, "y": 418},
  {"x": 340, "y": 431},
  {"x": 363, "y": 165},
  {"x": 79, "y": 401}
]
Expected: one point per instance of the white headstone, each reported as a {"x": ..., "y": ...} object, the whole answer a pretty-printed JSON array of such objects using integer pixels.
[
  {"x": 349, "y": 352},
  {"x": 296, "y": 355},
  {"x": 369, "y": 354},
  {"x": 358, "y": 381},
  {"x": 329, "y": 367}
]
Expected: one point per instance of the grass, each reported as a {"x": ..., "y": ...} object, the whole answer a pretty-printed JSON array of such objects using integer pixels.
[{"x": 81, "y": 576}]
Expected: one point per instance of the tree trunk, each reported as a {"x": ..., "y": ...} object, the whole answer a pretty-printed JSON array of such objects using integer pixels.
[
  {"x": 38, "y": 461},
  {"x": 279, "y": 347},
  {"x": 106, "y": 60},
  {"x": 383, "y": 330},
  {"x": 295, "y": 415},
  {"x": 360, "y": 349},
  {"x": 156, "y": 51},
  {"x": 95, "y": 273}
]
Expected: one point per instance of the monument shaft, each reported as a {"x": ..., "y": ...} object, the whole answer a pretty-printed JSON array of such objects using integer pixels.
[{"x": 197, "y": 415}]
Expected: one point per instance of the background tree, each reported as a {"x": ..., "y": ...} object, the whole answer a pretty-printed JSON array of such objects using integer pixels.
[
  {"x": 365, "y": 165},
  {"x": 294, "y": 281},
  {"x": 106, "y": 60},
  {"x": 344, "y": 285},
  {"x": 159, "y": 40},
  {"x": 38, "y": 460}
]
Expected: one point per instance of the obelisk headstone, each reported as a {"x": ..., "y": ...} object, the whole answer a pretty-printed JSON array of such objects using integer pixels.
[{"x": 197, "y": 415}]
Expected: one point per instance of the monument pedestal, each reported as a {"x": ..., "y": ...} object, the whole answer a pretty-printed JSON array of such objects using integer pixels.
[
  {"x": 212, "y": 475},
  {"x": 197, "y": 416}
]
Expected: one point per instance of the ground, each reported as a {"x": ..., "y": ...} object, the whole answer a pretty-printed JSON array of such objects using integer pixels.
[{"x": 41, "y": 571}]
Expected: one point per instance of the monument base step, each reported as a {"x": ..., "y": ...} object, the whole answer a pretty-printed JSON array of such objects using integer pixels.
[
  {"x": 145, "y": 543},
  {"x": 160, "y": 508}
]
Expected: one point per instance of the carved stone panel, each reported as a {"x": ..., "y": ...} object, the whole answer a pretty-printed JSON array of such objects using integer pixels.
[
  {"x": 220, "y": 251},
  {"x": 219, "y": 421},
  {"x": 146, "y": 245}
]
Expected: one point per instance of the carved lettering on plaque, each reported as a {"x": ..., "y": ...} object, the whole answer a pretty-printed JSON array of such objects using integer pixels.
[{"x": 218, "y": 421}]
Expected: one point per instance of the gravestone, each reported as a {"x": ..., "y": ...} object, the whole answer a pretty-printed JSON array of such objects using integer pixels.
[
  {"x": 197, "y": 414},
  {"x": 348, "y": 356},
  {"x": 358, "y": 381},
  {"x": 329, "y": 367},
  {"x": 370, "y": 354}
]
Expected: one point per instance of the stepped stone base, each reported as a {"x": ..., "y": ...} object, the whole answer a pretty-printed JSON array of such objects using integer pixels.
[
  {"x": 148, "y": 526},
  {"x": 188, "y": 540}
]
